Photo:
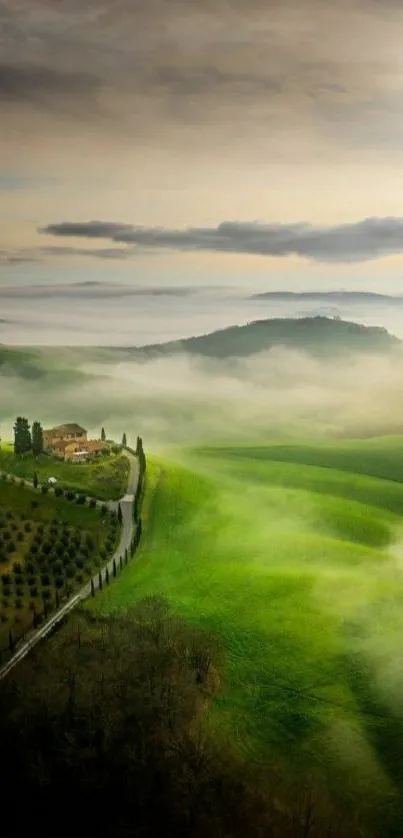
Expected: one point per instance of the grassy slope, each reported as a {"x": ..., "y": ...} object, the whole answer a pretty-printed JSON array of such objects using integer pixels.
[
  {"x": 309, "y": 606},
  {"x": 105, "y": 479}
]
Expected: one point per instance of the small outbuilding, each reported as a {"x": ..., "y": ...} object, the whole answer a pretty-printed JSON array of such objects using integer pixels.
[{"x": 52, "y": 481}]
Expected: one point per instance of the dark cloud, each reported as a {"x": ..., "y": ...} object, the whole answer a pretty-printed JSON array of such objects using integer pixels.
[
  {"x": 40, "y": 84},
  {"x": 364, "y": 240},
  {"x": 263, "y": 64}
]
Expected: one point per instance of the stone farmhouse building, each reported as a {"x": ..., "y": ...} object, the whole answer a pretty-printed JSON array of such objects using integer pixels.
[{"x": 70, "y": 442}]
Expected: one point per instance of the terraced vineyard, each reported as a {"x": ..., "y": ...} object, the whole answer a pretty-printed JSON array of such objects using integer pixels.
[{"x": 294, "y": 556}]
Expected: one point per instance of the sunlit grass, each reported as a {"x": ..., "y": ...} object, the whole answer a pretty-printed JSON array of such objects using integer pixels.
[{"x": 297, "y": 567}]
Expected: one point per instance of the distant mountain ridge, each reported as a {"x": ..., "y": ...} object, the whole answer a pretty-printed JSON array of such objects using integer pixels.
[
  {"x": 320, "y": 336},
  {"x": 316, "y": 335},
  {"x": 329, "y": 296}
]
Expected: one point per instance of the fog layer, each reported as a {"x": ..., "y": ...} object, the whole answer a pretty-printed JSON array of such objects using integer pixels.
[{"x": 182, "y": 400}]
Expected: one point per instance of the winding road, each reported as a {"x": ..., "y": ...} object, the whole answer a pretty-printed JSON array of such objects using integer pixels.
[{"x": 127, "y": 531}]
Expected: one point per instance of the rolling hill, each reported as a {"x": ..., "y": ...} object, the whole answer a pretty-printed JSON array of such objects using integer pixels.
[{"x": 314, "y": 335}]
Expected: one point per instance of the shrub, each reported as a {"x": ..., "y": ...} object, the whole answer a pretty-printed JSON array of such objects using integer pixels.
[
  {"x": 59, "y": 491},
  {"x": 103, "y": 553},
  {"x": 33, "y": 591},
  {"x": 92, "y": 504},
  {"x": 11, "y": 546},
  {"x": 80, "y": 577},
  {"x": 22, "y": 482},
  {"x": 7, "y": 535},
  {"x": 6, "y": 578},
  {"x": 34, "y": 504},
  {"x": 47, "y": 547},
  {"x": 31, "y": 579},
  {"x": 80, "y": 562},
  {"x": 20, "y": 536},
  {"x": 59, "y": 581},
  {"x": 104, "y": 509},
  {"x": 53, "y": 529},
  {"x": 18, "y": 568},
  {"x": 46, "y": 595},
  {"x": 72, "y": 551},
  {"x": 59, "y": 548},
  {"x": 70, "y": 495},
  {"x": 30, "y": 567},
  {"x": 57, "y": 567},
  {"x": 19, "y": 591},
  {"x": 6, "y": 591},
  {"x": 45, "y": 579},
  {"x": 40, "y": 529},
  {"x": 81, "y": 499},
  {"x": 70, "y": 570}
]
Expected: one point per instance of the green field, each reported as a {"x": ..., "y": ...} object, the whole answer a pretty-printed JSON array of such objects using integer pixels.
[
  {"x": 298, "y": 567},
  {"x": 48, "y": 548},
  {"x": 105, "y": 478}
]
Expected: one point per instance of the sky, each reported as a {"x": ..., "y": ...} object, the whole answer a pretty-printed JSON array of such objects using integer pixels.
[{"x": 254, "y": 145}]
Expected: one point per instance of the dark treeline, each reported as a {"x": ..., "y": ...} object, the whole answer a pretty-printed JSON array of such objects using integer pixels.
[
  {"x": 102, "y": 733},
  {"x": 26, "y": 440},
  {"x": 140, "y": 484}
]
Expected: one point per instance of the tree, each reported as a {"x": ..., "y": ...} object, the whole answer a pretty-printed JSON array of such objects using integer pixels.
[
  {"x": 92, "y": 587},
  {"x": 124, "y": 441},
  {"x": 114, "y": 567},
  {"x": 37, "y": 438},
  {"x": 100, "y": 581},
  {"x": 11, "y": 641},
  {"x": 22, "y": 436},
  {"x": 103, "y": 434},
  {"x": 107, "y": 576},
  {"x": 120, "y": 516},
  {"x": 36, "y": 481},
  {"x": 120, "y": 563}
]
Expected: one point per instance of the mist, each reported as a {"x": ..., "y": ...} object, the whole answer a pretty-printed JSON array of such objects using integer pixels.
[{"x": 183, "y": 400}]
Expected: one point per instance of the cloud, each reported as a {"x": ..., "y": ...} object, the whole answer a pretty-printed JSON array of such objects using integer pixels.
[
  {"x": 361, "y": 241},
  {"x": 261, "y": 64},
  {"x": 37, "y": 84}
]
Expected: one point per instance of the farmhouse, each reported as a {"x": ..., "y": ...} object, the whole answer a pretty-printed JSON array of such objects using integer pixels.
[
  {"x": 64, "y": 433},
  {"x": 69, "y": 442}
]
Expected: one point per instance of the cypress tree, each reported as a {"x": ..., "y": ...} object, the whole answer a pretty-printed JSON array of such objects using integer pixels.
[
  {"x": 114, "y": 567},
  {"x": 124, "y": 441},
  {"x": 10, "y": 641},
  {"x": 92, "y": 587},
  {"x": 22, "y": 436},
  {"x": 35, "y": 481},
  {"x": 100, "y": 580},
  {"x": 120, "y": 516},
  {"x": 120, "y": 563},
  {"x": 103, "y": 435},
  {"x": 107, "y": 575},
  {"x": 37, "y": 438}
]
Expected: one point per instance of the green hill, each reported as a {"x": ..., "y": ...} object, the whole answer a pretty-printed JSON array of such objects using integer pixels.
[
  {"x": 291, "y": 554},
  {"x": 316, "y": 335}
]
